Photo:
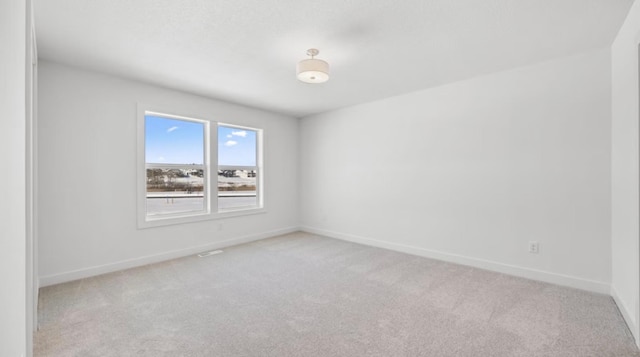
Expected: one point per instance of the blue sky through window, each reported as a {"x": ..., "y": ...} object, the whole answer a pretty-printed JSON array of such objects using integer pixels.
[
  {"x": 236, "y": 147},
  {"x": 173, "y": 141}
]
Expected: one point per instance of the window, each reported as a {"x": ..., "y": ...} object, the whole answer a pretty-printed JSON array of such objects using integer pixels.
[
  {"x": 238, "y": 172},
  {"x": 176, "y": 172},
  {"x": 177, "y": 159}
]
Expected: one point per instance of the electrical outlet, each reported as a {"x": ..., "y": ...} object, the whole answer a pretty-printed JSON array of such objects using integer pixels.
[{"x": 534, "y": 247}]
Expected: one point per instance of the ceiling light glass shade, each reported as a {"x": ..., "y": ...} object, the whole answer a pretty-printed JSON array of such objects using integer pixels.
[{"x": 313, "y": 71}]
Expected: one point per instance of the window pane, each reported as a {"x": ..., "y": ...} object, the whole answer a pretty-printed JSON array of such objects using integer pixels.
[
  {"x": 237, "y": 188},
  {"x": 236, "y": 147},
  {"x": 174, "y": 190},
  {"x": 173, "y": 141}
]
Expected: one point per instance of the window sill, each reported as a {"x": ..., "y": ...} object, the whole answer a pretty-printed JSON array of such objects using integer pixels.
[
  {"x": 239, "y": 212},
  {"x": 197, "y": 217}
]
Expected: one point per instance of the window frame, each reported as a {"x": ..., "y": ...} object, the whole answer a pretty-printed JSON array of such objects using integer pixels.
[{"x": 210, "y": 183}]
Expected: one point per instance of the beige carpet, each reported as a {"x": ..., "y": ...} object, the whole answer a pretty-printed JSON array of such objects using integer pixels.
[{"x": 306, "y": 295}]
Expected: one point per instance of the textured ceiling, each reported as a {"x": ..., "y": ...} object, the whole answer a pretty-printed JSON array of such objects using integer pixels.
[{"x": 245, "y": 51}]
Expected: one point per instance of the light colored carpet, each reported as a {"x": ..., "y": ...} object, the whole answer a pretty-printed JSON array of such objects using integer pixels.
[{"x": 306, "y": 295}]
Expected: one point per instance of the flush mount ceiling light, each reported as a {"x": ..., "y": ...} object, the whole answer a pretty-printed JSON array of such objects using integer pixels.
[{"x": 313, "y": 70}]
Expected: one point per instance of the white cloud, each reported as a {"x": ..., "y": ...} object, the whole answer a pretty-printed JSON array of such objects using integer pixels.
[
  {"x": 230, "y": 143},
  {"x": 229, "y": 136},
  {"x": 241, "y": 133},
  {"x": 172, "y": 129},
  {"x": 160, "y": 158}
]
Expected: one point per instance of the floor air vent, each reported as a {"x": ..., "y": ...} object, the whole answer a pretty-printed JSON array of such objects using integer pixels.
[{"x": 206, "y": 254}]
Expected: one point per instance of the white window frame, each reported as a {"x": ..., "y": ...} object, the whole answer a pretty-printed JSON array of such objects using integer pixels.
[{"x": 210, "y": 169}]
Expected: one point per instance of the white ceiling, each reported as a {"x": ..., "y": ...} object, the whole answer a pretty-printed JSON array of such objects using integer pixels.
[{"x": 245, "y": 51}]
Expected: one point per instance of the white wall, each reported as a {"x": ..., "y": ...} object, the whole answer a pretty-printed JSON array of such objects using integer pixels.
[
  {"x": 87, "y": 176},
  {"x": 13, "y": 249},
  {"x": 471, "y": 171},
  {"x": 625, "y": 175}
]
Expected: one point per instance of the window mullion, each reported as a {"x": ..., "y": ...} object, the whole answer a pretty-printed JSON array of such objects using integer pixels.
[{"x": 212, "y": 163}]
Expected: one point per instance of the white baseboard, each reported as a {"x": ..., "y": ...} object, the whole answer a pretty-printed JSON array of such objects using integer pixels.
[
  {"x": 559, "y": 279},
  {"x": 36, "y": 298},
  {"x": 136, "y": 262},
  {"x": 548, "y": 277},
  {"x": 624, "y": 310}
]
